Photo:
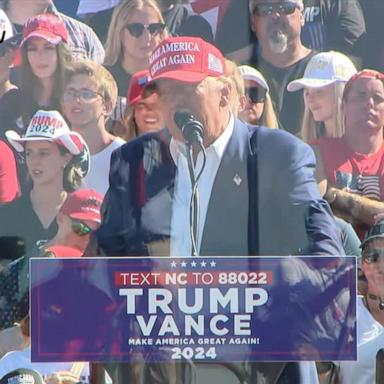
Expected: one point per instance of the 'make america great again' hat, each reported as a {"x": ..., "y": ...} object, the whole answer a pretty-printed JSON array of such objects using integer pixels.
[{"x": 186, "y": 59}]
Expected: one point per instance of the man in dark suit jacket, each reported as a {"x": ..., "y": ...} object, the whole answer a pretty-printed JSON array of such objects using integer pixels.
[{"x": 262, "y": 196}]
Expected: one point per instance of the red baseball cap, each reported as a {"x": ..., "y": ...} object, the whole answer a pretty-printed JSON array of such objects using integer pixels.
[
  {"x": 64, "y": 251},
  {"x": 186, "y": 59},
  {"x": 136, "y": 86},
  {"x": 364, "y": 74},
  {"x": 47, "y": 26},
  {"x": 84, "y": 204}
]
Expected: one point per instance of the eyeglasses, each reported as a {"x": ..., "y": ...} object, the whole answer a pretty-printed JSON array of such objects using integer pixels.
[
  {"x": 372, "y": 255},
  {"x": 85, "y": 95},
  {"x": 266, "y": 9},
  {"x": 256, "y": 94},
  {"x": 80, "y": 228},
  {"x": 137, "y": 29}
]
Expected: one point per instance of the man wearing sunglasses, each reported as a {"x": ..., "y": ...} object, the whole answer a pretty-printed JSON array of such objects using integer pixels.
[
  {"x": 280, "y": 55},
  {"x": 258, "y": 194}
]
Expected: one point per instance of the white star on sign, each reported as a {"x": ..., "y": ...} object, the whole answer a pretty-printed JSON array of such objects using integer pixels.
[
  {"x": 213, "y": 263},
  {"x": 203, "y": 264},
  {"x": 183, "y": 264},
  {"x": 173, "y": 264},
  {"x": 193, "y": 264}
]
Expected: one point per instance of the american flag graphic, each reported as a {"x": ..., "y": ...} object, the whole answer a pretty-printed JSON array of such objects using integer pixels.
[{"x": 368, "y": 186}]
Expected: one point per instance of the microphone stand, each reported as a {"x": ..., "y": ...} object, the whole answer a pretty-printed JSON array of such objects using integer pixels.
[
  {"x": 194, "y": 205},
  {"x": 193, "y": 131}
]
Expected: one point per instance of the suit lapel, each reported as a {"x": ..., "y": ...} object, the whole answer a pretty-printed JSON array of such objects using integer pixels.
[
  {"x": 160, "y": 171},
  {"x": 226, "y": 224}
]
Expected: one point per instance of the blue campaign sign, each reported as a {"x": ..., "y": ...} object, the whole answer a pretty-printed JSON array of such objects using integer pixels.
[{"x": 220, "y": 309}]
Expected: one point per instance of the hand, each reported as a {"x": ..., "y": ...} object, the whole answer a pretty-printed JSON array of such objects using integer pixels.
[{"x": 62, "y": 377}]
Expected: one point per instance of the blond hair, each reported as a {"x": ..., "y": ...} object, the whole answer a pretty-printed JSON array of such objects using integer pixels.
[
  {"x": 105, "y": 83},
  {"x": 268, "y": 118},
  {"x": 311, "y": 129},
  {"x": 120, "y": 18}
]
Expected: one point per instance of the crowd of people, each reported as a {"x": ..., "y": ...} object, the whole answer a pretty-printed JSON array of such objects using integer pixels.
[{"x": 290, "y": 95}]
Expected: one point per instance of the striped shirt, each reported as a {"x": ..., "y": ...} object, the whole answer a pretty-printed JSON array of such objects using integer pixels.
[{"x": 83, "y": 41}]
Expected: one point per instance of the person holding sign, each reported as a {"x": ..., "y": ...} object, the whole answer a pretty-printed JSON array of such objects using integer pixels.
[
  {"x": 57, "y": 160},
  {"x": 258, "y": 193}
]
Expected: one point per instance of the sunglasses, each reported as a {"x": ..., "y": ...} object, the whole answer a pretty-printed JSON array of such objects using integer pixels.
[
  {"x": 372, "y": 255},
  {"x": 266, "y": 9},
  {"x": 256, "y": 94},
  {"x": 85, "y": 95},
  {"x": 80, "y": 228},
  {"x": 137, "y": 29}
]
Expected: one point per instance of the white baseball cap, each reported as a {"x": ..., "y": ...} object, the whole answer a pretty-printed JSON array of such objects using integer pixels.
[
  {"x": 6, "y": 31},
  {"x": 324, "y": 69},
  {"x": 5, "y": 25},
  {"x": 51, "y": 126},
  {"x": 250, "y": 73}
]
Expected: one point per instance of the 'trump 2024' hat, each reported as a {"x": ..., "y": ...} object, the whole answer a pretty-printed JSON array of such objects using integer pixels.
[
  {"x": 323, "y": 69},
  {"x": 186, "y": 59},
  {"x": 51, "y": 126}
]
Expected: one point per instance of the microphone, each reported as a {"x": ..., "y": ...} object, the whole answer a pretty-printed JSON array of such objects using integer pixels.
[{"x": 191, "y": 128}]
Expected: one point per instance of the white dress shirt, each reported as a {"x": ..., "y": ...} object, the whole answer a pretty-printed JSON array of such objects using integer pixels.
[{"x": 181, "y": 243}]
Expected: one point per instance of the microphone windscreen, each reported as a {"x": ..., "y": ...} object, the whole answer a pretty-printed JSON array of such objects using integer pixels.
[{"x": 181, "y": 118}]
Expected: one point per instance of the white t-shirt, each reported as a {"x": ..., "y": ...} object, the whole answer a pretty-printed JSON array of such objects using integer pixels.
[
  {"x": 370, "y": 339},
  {"x": 98, "y": 175}
]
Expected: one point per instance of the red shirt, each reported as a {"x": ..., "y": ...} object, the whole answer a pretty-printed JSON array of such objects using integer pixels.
[{"x": 354, "y": 172}]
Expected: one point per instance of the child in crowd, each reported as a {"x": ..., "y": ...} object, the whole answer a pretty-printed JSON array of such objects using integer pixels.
[{"x": 89, "y": 97}]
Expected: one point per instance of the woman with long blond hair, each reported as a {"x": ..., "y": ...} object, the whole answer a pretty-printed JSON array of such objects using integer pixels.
[
  {"x": 323, "y": 83},
  {"x": 136, "y": 28}
]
